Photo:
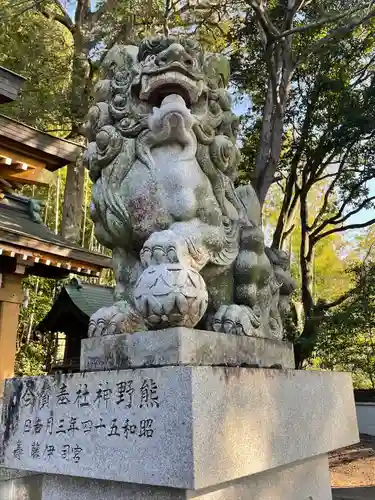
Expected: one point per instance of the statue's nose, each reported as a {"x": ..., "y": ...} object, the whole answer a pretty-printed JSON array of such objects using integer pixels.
[{"x": 175, "y": 53}]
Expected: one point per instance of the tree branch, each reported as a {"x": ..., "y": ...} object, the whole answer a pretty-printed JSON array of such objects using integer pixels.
[
  {"x": 337, "y": 302},
  {"x": 15, "y": 14},
  {"x": 362, "y": 74},
  {"x": 320, "y": 166},
  {"x": 337, "y": 218},
  {"x": 343, "y": 228},
  {"x": 64, "y": 19},
  {"x": 197, "y": 6},
  {"x": 327, "y": 176},
  {"x": 356, "y": 210},
  {"x": 268, "y": 27},
  {"x": 125, "y": 32},
  {"x": 320, "y": 23},
  {"x": 64, "y": 12},
  {"x": 338, "y": 32}
]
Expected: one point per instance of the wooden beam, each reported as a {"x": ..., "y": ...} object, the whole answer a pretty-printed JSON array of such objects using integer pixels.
[
  {"x": 5, "y": 187},
  {"x": 10, "y": 290},
  {"x": 13, "y": 299},
  {"x": 37, "y": 175},
  {"x": 21, "y": 158},
  {"x": 60, "y": 151},
  {"x": 17, "y": 165},
  {"x": 34, "y": 264},
  {"x": 14, "y": 164},
  {"x": 5, "y": 184}
]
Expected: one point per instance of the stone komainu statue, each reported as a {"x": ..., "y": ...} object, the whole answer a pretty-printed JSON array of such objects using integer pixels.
[{"x": 163, "y": 159}]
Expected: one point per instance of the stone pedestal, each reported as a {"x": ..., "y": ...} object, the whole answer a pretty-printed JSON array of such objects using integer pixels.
[
  {"x": 287, "y": 483},
  {"x": 182, "y": 346},
  {"x": 178, "y": 432}
]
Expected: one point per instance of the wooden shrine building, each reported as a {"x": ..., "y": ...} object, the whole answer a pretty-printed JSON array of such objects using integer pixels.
[
  {"x": 69, "y": 318},
  {"x": 27, "y": 246}
]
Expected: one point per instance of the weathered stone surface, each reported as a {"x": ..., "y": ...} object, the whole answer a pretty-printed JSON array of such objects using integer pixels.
[
  {"x": 22, "y": 488},
  {"x": 163, "y": 157},
  {"x": 302, "y": 481},
  {"x": 120, "y": 422},
  {"x": 7, "y": 474},
  {"x": 183, "y": 427},
  {"x": 182, "y": 346},
  {"x": 307, "y": 480},
  {"x": 170, "y": 295},
  {"x": 53, "y": 487}
]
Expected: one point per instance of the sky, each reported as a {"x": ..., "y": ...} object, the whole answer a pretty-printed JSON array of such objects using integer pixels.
[{"x": 365, "y": 215}]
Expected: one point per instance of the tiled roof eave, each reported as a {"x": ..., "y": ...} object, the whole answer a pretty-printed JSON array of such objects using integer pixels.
[{"x": 32, "y": 250}]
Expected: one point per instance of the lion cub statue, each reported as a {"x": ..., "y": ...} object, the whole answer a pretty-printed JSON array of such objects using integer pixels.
[{"x": 187, "y": 246}]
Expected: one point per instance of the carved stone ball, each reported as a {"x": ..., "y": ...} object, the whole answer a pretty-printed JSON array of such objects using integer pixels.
[{"x": 168, "y": 295}]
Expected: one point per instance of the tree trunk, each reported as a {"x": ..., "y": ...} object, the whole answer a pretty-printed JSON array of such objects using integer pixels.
[
  {"x": 73, "y": 199},
  {"x": 79, "y": 104},
  {"x": 81, "y": 84},
  {"x": 265, "y": 141},
  {"x": 304, "y": 344},
  {"x": 85, "y": 200},
  {"x": 281, "y": 70},
  {"x": 57, "y": 203}
]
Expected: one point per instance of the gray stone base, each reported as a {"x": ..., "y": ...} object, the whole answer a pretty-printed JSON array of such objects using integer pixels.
[
  {"x": 182, "y": 346},
  {"x": 187, "y": 427},
  {"x": 308, "y": 480}
]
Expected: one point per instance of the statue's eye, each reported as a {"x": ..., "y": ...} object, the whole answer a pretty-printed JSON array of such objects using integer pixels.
[
  {"x": 152, "y": 47},
  {"x": 150, "y": 59}
]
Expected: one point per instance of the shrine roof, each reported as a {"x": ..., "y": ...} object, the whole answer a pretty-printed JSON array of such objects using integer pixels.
[
  {"x": 35, "y": 147},
  {"x": 77, "y": 300},
  {"x": 24, "y": 237},
  {"x": 89, "y": 297}
]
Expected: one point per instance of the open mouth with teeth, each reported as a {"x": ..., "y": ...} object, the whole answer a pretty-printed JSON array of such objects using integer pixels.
[{"x": 154, "y": 88}]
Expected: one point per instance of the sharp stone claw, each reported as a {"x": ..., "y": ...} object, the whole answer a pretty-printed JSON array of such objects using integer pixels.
[
  {"x": 216, "y": 325},
  {"x": 228, "y": 326},
  {"x": 158, "y": 255}
]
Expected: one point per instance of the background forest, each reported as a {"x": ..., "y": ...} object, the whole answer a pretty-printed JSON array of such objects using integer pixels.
[{"x": 303, "y": 82}]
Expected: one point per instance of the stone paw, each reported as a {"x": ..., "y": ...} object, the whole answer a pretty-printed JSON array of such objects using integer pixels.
[
  {"x": 237, "y": 320},
  {"x": 164, "y": 247},
  {"x": 119, "y": 318}
]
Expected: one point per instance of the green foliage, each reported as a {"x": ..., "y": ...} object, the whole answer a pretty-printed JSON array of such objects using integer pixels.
[
  {"x": 347, "y": 340},
  {"x": 60, "y": 54},
  {"x": 326, "y": 137},
  {"x": 40, "y": 293},
  {"x": 40, "y": 50},
  {"x": 30, "y": 360}
]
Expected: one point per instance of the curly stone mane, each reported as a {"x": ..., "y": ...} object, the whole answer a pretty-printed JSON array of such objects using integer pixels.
[{"x": 118, "y": 133}]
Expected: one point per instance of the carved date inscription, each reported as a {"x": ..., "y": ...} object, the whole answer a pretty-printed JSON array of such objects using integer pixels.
[{"x": 57, "y": 418}]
